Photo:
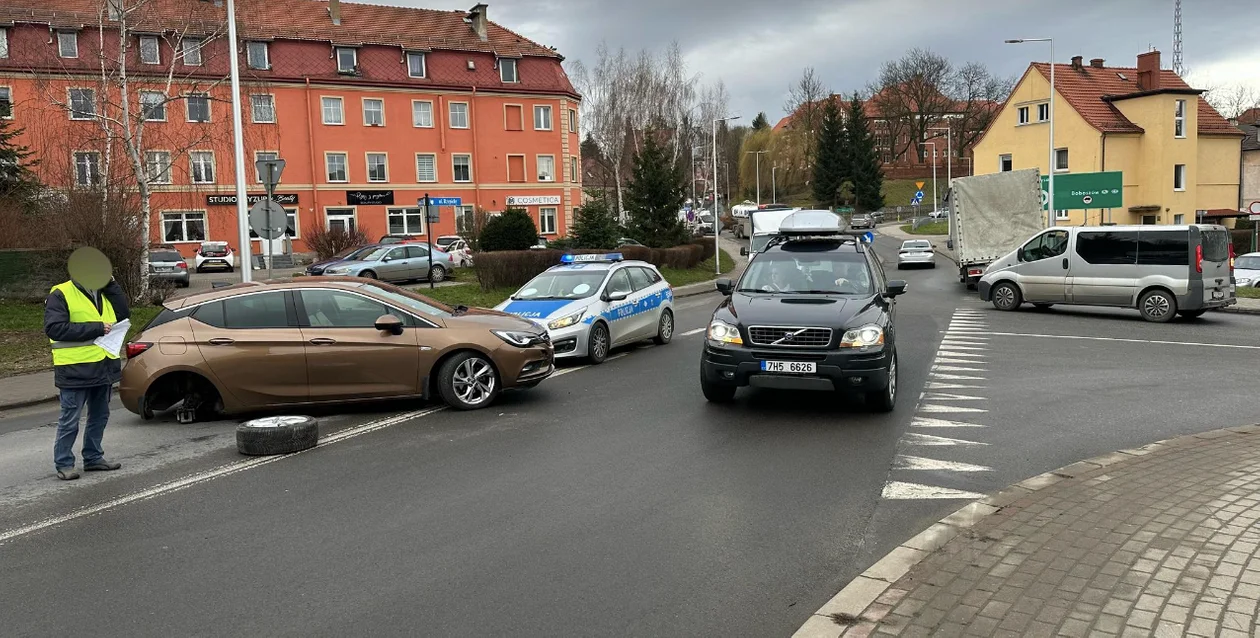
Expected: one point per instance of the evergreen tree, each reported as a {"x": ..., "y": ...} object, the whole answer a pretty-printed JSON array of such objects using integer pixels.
[
  {"x": 595, "y": 225},
  {"x": 512, "y": 230},
  {"x": 761, "y": 122},
  {"x": 865, "y": 171},
  {"x": 16, "y": 178},
  {"x": 831, "y": 157},
  {"x": 654, "y": 196}
]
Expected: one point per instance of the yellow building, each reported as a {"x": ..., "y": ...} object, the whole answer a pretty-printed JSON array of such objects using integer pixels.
[{"x": 1179, "y": 157}]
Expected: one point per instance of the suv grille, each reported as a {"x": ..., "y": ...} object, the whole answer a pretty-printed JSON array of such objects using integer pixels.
[{"x": 789, "y": 336}]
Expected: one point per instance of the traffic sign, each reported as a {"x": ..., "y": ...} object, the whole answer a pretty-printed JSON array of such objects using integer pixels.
[
  {"x": 268, "y": 220},
  {"x": 919, "y": 185},
  {"x": 1254, "y": 218},
  {"x": 1254, "y": 208},
  {"x": 433, "y": 215},
  {"x": 270, "y": 170},
  {"x": 445, "y": 201},
  {"x": 1078, "y": 191}
]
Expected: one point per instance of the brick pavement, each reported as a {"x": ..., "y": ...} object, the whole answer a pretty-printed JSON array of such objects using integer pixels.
[{"x": 1156, "y": 541}]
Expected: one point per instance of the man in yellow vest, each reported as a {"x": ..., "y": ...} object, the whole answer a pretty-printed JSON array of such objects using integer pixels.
[{"x": 76, "y": 312}]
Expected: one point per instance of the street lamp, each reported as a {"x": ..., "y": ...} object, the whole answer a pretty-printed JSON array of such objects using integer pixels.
[
  {"x": 758, "y": 154},
  {"x": 774, "y": 191},
  {"x": 1050, "y": 212},
  {"x": 238, "y": 148},
  {"x": 935, "y": 204},
  {"x": 949, "y": 153},
  {"x": 717, "y": 230}
]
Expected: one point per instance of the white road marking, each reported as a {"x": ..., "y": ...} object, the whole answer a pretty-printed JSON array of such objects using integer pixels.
[
  {"x": 928, "y": 422},
  {"x": 693, "y": 332},
  {"x": 932, "y": 385},
  {"x": 955, "y": 353},
  {"x": 957, "y": 345},
  {"x": 955, "y": 377},
  {"x": 904, "y": 462},
  {"x": 1120, "y": 340},
  {"x": 958, "y": 369},
  {"x": 944, "y": 396},
  {"x": 900, "y": 490},
  {"x": 928, "y": 440},
  {"x": 941, "y": 409},
  {"x": 948, "y": 361}
]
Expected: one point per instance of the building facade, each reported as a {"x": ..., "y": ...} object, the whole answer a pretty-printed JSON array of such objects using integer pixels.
[
  {"x": 371, "y": 107},
  {"x": 1178, "y": 156}
]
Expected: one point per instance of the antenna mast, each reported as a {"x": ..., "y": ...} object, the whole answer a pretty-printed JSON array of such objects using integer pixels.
[{"x": 1177, "y": 62}]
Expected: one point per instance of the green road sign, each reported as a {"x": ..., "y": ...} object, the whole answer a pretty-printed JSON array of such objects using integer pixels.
[
  {"x": 844, "y": 210},
  {"x": 1078, "y": 191}
]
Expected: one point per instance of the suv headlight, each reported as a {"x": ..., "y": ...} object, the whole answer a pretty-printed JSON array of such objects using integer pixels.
[
  {"x": 1245, "y": 281},
  {"x": 866, "y": 336},
  {"x": 565, "y": 322},
  {"x": 723, "y": 332},
  {"x": 518, "y": 338}
]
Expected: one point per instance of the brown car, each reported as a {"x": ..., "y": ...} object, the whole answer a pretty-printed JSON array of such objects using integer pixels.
[{"x": 325, "y": 340}]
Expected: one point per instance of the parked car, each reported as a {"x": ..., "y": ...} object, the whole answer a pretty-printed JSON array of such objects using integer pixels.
[
  {"x": 458, "y": 247},
  {"x": 704, "y": 224},
  {"x": 626, "y": 241},
  {"x": 396, "y": 263},
  {"x": 1247, "y": 270},
  {"x": 168, "y": 265},
  {"x": 325, "y": 340},
  {"x": 916, "y": 252},
  {"x": 938, "y": 214},
  {"x": 400, "y": 239},
  {"x": 217, "y": 255},
  {"x": 349, "y": 254}
]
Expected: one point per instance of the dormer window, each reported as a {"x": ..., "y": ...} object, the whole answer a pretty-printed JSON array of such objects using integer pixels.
[
  {"x": 507, "y": 71},
  {"x": 347, "y": 60},
  {"x": 68, "y": 44}
]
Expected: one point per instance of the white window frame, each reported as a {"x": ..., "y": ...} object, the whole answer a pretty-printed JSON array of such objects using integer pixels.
[
  {"x": 259, "y": 155},
  {"x": 76, "y": 115},
  {"x": 192, "y": 163},
  {"x": 149, "y": 163},
  {"x": 4, "y": 42},
  {"x": 1179, "y": 120},
  {"x": 542, "y": 215},
  {"x": 188, "y": 102},
  {"x": 415, "y": 115},
  {"x": 377, "y": 100},
  {"x": 7, "y": 92},
  {"x": 451, "y": 115},
  {"x": 455, "y": 173},
  {"x": 396, "y": 211},
  {"x": 1179, "y": 219},
  {"x": 345, "y": 167},
  {"x": 190, "y": 51},
  {"x": 253, "y": 108},
  {"x": 504, "y": 63},
  {"x": 157, "y": 49},
  {"x": 1043, "y": 112},
  {"x": 463, "y": 223},
  {"x": 343, "y": 214},
  {"x": 354, "y": 60},
  {"x": 573, "y": 121},
  {"x": 182, "y": 220},
  {"x": 324, "y": 102},
  {"x": 538, "y": 167},
  {"x": 433, "y": 161},
  {"x": 367, "y": 160},
  {"x": 1022, "y": 115},
  {"x": 1066, "y": 160},
  {"x": 1003, "y": 158},
  {"x": 1180, "y": 174},
  {"x": 543, "y": 110},
  {"x": 70, "y": 37},
  {"x": 145, "y": 110},
  {"x": 251, "y": 61},
  {"x": 1061, "y": 215},
  {"x": 94, "y": 179},
  {"x": 424, "y": 64},
  {"x": 575, "y": 169}
]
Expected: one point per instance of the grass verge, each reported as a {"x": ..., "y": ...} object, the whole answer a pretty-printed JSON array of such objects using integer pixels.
[
  {"x": 23, "y": 345},
  {"x": 932, "y": 228},
  {"x": 1249, "y": 292}
]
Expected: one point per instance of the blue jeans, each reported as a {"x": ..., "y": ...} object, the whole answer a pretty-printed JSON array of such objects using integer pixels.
[{"x": 96, "y": 398}]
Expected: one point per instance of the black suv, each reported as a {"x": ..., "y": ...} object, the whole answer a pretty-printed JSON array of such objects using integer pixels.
[{"x": 811, "y": 312}]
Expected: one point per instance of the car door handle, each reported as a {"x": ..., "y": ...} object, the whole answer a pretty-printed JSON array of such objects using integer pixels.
[
  {"x": 1065, "y": 263},
  {"x": 322, "y": 341},
  {"x": 222, "y": 341}
]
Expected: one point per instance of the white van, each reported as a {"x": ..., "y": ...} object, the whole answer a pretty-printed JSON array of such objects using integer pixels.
[{"x": 1162, "y": 271}]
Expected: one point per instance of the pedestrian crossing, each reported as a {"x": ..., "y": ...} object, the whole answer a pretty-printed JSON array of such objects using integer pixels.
[{"x": 948, "y": 419}]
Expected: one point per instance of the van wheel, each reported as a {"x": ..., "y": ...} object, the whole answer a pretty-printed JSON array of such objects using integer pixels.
[
  {"x": 1006, "y": 296},
  {"x": 1158, "y": 306},
  {"x": 1191, "y": 314}
]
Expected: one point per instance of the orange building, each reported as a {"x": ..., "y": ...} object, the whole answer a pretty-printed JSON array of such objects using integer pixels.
[{"x": 370, "y": 106}]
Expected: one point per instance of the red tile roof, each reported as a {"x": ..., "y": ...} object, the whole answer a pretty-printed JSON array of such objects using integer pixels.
[{"x": 1090, "y": 91}]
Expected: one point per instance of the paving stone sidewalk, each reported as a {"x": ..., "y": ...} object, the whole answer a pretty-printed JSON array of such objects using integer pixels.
[{"x": 1158, "y": 541}]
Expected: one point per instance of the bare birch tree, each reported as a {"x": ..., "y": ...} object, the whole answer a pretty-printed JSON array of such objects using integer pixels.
[{"x": 805, "y": 105}]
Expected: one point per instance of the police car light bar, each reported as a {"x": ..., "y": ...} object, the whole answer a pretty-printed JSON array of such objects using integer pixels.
[{"x": 578, "y": 259}]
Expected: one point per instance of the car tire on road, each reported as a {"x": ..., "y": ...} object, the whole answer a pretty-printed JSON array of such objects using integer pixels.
[
  {"x": 1158, "y": 306},
  {"x": 368, "y": 274},
  {"x": 885, "y": 399},
  {"x": 277, "y": 435},
  {"x": 437, "y": 274},
  {"x": 665, "y": 328},
  {"x": 598, "y": 343},
  {"x": 1006, "y": 296},
  {"x": 468, "y": 381},
  {"x": 716, "y": 392}
]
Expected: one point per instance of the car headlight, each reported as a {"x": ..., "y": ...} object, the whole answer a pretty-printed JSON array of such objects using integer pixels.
[
  {"x": 866, "y": 336},
  {"x": 723, "y": 332},
  {"x": 518, "y": 338},
  {"x": 1245, "y": 281},
  {"x": 335, "y": 271},
  {"x": 565, "y": 322}
]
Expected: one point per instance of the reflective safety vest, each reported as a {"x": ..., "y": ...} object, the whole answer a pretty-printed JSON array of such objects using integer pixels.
[{"x": 82, "y": 310}]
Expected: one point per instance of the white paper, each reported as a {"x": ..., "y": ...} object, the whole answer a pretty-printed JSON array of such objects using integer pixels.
[{"x": 113, "y": 340}]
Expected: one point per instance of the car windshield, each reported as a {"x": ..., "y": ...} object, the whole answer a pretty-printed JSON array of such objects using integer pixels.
[
  {"x": 1249, "y": 262},
  {"x": 759, "y": 242},
  {"x": 375, "y": 254},
  {"x": 916, "y": 245},
  {"x": 354, "y": 253},
  {"x": 561, "y": 284},
  {"x": 706, "y": 218},
  {"x": 419, "y": 303},
  {"x": 812, "y": 269},
  {"x": 443, "y": 242}
]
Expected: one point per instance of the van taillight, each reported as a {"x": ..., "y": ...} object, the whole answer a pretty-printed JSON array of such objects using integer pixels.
[
  {"x": 137, "y": 348},
  {"x": 1198, "y": 258},
  {"x": 1231, "y": 257}
]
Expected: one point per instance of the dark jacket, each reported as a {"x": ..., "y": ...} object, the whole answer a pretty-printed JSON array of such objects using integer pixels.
[{"x": 58, "y": 327}]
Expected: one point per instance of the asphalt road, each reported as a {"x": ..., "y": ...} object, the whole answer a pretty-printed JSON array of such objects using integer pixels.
[{"x": 611, "y": 500}]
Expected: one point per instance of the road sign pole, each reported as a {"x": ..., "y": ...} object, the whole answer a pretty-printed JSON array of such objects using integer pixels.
[{"x": 428, "y": 238}]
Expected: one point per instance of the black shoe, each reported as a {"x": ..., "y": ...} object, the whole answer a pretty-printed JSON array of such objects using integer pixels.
[
  {"x": 67, "y": 473},
  {"x": 101, "y": 466}
]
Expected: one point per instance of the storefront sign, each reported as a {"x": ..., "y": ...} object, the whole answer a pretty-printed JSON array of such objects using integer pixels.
[
  {"x": 533, "y": 200},
  {"x": 284, "y": 199},
  {"x": 369, "y": 198}
]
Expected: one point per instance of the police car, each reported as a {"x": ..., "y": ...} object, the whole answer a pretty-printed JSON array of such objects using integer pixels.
[{"x": 590, "y": 304}]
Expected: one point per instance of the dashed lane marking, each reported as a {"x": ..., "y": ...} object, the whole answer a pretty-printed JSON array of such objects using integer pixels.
[
  {"x": 905, "y": 462},
  {"x": 958, "y": 369},
  {"x": 928, "y": 422},
  {"x": 931, "y": 408},
  {"x": 942, "y": 396},
  {"x": 693, "y": 332},
  {"x": 955, "y": 377},
  {"x": 929, "y": 440},
  {"x": 932, "y": 385},
  {"x": 900, "y": 490}
]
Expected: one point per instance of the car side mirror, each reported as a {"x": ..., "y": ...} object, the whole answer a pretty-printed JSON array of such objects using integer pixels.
[
  {"x": 389, "y": 323},
  {"x": 615, "y": 296},
  {"x": 896, "y": 288},
  {"x": 743, "y": 252},
  {"x": 725, "y": 286}
]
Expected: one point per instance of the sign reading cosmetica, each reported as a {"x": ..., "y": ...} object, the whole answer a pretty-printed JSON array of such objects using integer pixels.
[
  {"x": 285, "y": 199},
  {"x": 533, "y": 200}
]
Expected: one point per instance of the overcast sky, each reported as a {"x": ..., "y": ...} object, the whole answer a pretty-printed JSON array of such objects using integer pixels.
[{"x": 758, "y": 47}]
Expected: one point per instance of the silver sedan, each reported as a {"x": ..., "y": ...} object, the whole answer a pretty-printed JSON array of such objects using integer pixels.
[{"x": 916, "y": 252}]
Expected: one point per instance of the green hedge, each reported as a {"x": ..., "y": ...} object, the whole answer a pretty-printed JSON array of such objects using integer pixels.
[{"x": 514, "y": 268}]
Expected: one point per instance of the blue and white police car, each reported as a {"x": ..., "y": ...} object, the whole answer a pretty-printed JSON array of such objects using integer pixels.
[{"x": 590, "y": 304}]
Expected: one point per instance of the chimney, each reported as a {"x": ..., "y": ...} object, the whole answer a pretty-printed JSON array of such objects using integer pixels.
[
  {"x": 1148, "y": 71},
  {"x": 1076, "y": 62},
  {"x": 334, "y": 12},
  {"x": 480, "y": 23},
  {"x": 1097, "y": 63}
]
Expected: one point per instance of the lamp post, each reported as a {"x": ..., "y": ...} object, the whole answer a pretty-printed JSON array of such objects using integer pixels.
[
  {"x": 935, "y": 204},
  {"x": 774, "y": 190},
  {"x": 1050, "y": 211},
  {"x": 238, "y": 148},
  {"x": 717, "y": 230},
  {"x": 949, "y": 153},
  {"x": 694, "y": 203},
  {"x": 758, "y": 154}
]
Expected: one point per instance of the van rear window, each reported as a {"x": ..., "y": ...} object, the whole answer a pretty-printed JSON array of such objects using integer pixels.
[
  {"x": 1164, "y": 248},
  {"x": 1215, "y": 245}
]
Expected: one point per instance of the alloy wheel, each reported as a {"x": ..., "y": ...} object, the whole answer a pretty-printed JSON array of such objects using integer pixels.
[{"x": 474, "y": 381}]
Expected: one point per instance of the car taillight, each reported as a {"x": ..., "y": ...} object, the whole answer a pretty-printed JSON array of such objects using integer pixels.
[
  {"x": 450, "y": 258},
  {"x": 1231, "y": 257},
  {"x": 136, "y": 348},
  {"x": 183, "y": 265},
  {"x": 1198, "y": 258}
]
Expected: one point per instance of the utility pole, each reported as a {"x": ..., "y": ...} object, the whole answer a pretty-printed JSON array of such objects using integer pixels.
[
  {"x": 238, "y": 147},
  {"x": 935, "y": 204},
  {"x": 774, "y": 191},
  {"x": 1050, "y": 211}
]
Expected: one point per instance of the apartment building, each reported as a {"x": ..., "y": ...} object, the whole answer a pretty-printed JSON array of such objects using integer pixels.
[{"x": 371, "y": 107}]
